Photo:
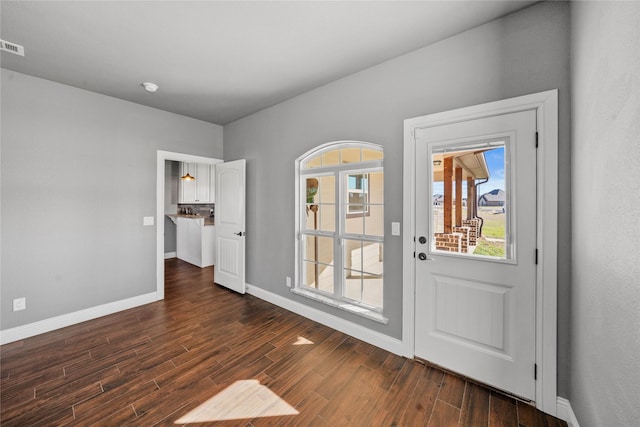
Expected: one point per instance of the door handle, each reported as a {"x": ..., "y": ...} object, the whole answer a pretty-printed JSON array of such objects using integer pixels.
[
  {"x": 240, "y": 233},
  {"x": 423, "y": 257}
]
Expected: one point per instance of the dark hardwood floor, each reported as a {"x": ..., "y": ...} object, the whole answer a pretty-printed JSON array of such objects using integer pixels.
[{"x": 206, "y": 354}]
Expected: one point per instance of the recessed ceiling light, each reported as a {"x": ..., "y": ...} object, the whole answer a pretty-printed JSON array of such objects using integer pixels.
[{"x": 150, "y": 87}]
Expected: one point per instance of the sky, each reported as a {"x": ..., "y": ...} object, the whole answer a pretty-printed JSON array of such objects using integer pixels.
[{"x": 495, "y": 162}]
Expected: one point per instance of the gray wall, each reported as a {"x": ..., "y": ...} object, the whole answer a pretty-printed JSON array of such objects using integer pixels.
[
  {"x": 523, "y": 53},
  {"x": 605, "y": 294},
  {"x": 78, "y": 174}
]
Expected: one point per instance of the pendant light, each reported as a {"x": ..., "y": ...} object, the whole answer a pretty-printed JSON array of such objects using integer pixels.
[{"x": 187, "y": 177}]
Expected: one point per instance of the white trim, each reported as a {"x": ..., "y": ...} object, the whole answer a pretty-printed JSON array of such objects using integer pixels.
[
  {"x": 169, "y": 255},
  {"x": 546, "y": 106},
  {"x": 367, "y": 335},
  {"x": 343, "y": 305},
  {"x": 64, "y": 320},
  {"x": 161, "y": 157},
  {"x": 565, "y": 412}
]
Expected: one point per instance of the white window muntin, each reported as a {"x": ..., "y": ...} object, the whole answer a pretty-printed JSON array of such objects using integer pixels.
[
  {"x": 343, "y": 197},
  {"x": 339, "y": 171}
]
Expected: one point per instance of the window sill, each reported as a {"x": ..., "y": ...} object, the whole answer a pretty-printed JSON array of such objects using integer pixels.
[{"x": 342, "y": 305}]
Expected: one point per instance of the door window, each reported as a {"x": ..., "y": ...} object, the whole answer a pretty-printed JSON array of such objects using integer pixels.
[{"x": 470, "y": 214}]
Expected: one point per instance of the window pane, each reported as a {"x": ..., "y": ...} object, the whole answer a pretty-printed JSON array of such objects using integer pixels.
[
  {"x": 350, "y": 155},
  {"x": 318, "y": 276},
  {"x": 311, "y": 217},
  {"x": 371, "y": 155},
  {"x": 354, "y": 222},
  {"x": 365, "y": 257},
  {"x": 352, "y": 254},
  {"x": 469, "y": 200},
  {"x": 363, "y": 288},
  {"x": 353, "y": 285},
  {"x": 325, "y": 279},
  {"x": 327, "y": 217},
  {"x": 356, "y": 199},
  {"x": 318, "y": 249},
  {"x": 372, "y": 287},
  {"x": 358, "y": 181},
  {"x": 320, "y": 196},
  {"x": 374, "y": 220},
  {"x": 372, "y": 258},
  {"x": 357, "y": 194},
  {"x": 327, "y": 189},
  {"x": 376, "y": 187},
  {"x": 310, "y": 243},
  {"x": 309, "y": 274},
  {"x": 313, "y": 162},
  {"x": 312, "y": 186},
  {"x": 331, "y": 158}
]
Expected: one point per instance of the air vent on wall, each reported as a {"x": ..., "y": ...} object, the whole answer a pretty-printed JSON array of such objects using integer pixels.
[{"x": 11, "y": 48}]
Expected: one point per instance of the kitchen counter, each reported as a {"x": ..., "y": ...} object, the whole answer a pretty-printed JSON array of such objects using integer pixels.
[
  {"x": 195, "y": 239},
  {"x": 208, "y": 221}
]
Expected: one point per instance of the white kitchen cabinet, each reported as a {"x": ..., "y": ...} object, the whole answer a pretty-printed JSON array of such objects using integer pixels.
[
  {"x": 195, "y": 242},
  {"x": 212, "y": 183},
  {"x": 202, "y": 190}
]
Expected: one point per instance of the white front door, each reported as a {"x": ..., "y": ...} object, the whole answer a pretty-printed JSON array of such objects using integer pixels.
[
  {"x": 475, "y": 262},
  {"x": 229, "y": 268}
]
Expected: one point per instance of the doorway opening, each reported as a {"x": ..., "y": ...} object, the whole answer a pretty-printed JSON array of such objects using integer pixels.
[{"x": 161, "y": 170}]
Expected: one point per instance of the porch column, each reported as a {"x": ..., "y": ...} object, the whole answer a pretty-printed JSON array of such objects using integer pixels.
[
  {"x": 448, "y": 193},
  {"x": 458, "y": 197},
  {"x": 470, "y": 198}
]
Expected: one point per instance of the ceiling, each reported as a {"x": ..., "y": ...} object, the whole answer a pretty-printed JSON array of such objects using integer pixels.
[{"x": 219, "y": 61}]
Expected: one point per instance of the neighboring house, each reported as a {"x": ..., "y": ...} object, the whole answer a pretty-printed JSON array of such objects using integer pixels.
[
  {"x": 495, "y": 197},
  {"x": 438, "y": 200}
]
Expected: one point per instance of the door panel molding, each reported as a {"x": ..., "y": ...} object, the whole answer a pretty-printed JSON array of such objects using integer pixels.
[
  {"x": 546, "y": 106},
  {"x": 493, "y": 300}
]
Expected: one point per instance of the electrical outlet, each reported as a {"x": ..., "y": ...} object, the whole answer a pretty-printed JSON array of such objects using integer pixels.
[
  {"x": 147, "y": 220},
  {"x": 19, "y": 304},
  {"x": 288, "y": 282}
]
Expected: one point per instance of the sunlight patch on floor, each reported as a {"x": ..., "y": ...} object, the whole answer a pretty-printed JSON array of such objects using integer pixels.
[
  {"x": 244, "y": 399},
  {"x": 302, "y": 341}
]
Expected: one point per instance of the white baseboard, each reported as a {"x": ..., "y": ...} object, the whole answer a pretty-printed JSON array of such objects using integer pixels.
[
  {"x": 64, "y": 320},
  {"x": 565, "y": 412},
  {"x": 383, "y": 341},
  {"x": 168, "y": 255}
]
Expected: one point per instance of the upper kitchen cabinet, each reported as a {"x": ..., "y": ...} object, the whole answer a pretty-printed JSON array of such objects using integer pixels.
[{"x": 200, "y": 190}]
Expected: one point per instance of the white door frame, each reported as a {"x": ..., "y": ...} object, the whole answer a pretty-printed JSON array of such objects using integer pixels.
[
  {"x": 160, "y": 179},
  {"x": 546, "y": 106}
]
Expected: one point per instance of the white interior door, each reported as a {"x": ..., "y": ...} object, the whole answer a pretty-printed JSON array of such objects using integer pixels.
[
  {"x": 229, "y": 268},
  {"x": 475, "y": 272}
]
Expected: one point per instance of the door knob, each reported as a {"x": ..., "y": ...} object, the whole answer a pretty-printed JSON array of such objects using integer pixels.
[
  {"x": 239, "y": 234},
  {"x": 422, "y": 256}
]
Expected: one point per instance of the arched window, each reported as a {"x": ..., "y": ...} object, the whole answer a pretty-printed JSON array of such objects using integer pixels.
[{"x": 340, "y": 226}]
